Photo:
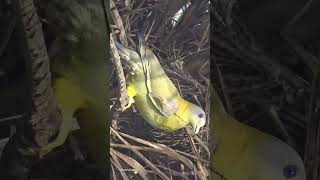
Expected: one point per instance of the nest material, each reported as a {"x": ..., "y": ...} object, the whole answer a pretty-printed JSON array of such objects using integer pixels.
[
  {"x": 138, "y": 151},
  {"x": 263, "y": 90}
]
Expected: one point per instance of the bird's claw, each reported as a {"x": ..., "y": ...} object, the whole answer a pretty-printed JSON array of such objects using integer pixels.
[{"x": 131, "y": 101}]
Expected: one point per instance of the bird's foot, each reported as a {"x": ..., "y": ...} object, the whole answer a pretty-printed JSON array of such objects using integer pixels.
[{"x": 131, "y": 101}]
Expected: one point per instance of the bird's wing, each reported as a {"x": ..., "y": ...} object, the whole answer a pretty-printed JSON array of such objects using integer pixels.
[
  {"x": 161, "y": 90},
  {"x": 166, "y": 108}
]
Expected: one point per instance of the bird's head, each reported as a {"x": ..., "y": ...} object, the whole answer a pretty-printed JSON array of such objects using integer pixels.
[
  {"x": 197, "y": 117},
  {"x": 278, "y": 161}
]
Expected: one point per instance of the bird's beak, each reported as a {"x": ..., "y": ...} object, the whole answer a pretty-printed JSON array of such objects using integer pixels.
[
  {"x": 196, "y": 129},
  {"x": 198, "y": 126}
]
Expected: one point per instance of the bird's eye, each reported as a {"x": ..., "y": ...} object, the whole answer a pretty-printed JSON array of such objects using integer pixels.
[
  {"x": 290, "y": 171},
  {"x": 200, "y": 115}
]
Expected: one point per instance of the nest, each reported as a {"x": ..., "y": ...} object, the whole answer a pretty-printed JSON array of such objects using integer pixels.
[{"x": 137, "y": 150}]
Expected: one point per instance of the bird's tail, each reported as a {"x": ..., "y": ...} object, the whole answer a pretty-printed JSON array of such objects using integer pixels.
[{"x": 132, "y": 58}]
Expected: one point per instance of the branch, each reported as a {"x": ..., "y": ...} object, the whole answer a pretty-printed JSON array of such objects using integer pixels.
[
  {"x": 124, "y": 99},
  {"x": 20, "y": 152}
]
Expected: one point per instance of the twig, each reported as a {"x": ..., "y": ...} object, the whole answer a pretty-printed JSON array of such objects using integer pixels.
[
  {"x": 133, "y": 163},
  {"x": 149, "y": 163},
  {"x": 124, "y": 99},
  {"x": 298, "y": 15},
  {"x": 143, "y": 148},
  {"x": 280, "y": 125},
  {"x": 118, "y": 165},
  {"x": 202, "y": 172},
  {"x": 45, "y": 117},
  {"x": 117, "y": 19}
]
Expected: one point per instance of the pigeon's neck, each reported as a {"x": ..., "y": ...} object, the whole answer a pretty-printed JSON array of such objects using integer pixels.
[{"x": 182, "y": 110}]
